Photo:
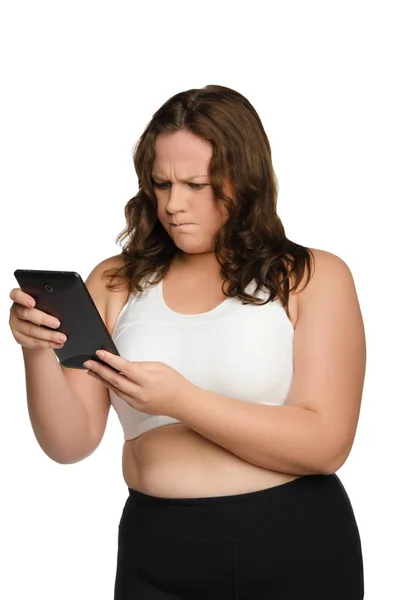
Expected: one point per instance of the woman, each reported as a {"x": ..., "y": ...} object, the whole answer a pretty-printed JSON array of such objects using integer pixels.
[{"x": 242, "y": 369}]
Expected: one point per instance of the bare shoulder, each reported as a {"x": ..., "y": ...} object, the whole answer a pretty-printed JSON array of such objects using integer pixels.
[
  {"x": 321, "y": 262},
  {"x": 113, "y": 300},
  {"x": 96, "y": 282},
  {"x": 97, "y": 274},
  {"x": 326, "y": 269}
]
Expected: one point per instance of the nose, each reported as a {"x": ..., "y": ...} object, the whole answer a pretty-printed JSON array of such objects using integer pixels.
[{"x": 176, "y": 201}]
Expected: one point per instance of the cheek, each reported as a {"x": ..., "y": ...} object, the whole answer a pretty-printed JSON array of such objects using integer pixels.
[{"x": 219, "y": 213}]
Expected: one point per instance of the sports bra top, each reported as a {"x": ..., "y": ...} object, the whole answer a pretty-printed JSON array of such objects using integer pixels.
[{"x": 241, "y": 351}]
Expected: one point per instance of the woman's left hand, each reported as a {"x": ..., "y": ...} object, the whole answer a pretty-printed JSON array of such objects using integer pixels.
[{"x": 154, "y": 388}]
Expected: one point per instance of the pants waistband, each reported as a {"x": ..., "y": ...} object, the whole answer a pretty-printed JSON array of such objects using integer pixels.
[{"x": 296, "y": 502}]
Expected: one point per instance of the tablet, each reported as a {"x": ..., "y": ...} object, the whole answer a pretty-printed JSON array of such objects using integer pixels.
[{"x": 64, "y": 295}]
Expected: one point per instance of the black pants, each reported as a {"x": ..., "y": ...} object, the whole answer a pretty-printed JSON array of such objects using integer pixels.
[{"x": 295, "y": 541}]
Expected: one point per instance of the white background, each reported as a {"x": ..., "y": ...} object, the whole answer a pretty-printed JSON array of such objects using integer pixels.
[{"x": 80, "y": 81}]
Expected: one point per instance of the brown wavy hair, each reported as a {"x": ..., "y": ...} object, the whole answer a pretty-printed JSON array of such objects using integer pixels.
[{"x": 252, "y": 243}]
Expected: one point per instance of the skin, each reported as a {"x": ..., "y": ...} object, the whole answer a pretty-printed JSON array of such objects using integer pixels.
[
  {"x": 322, "y": 407},
  {"x": 184, "y": 195},
  {"x": 151, "y": 387}
]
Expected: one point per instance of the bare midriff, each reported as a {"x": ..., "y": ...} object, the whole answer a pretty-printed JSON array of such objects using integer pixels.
[{"x": 174, "y": 461}]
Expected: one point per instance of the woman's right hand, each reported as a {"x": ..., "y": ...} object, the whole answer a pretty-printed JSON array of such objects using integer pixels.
[{"x": 26, "y": 324}]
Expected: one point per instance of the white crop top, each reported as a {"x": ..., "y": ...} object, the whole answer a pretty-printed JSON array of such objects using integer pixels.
[{"x": 241, "y": 351}]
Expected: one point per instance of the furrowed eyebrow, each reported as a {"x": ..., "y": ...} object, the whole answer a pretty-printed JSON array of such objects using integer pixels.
[{"x": 183, "y": 180}]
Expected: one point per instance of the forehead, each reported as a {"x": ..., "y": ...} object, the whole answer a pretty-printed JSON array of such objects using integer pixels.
[{"x": 182, "y": 150}]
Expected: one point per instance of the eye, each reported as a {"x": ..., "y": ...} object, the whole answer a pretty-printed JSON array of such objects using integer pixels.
[
  {"x": 197, "y": 186},
  {"x": 164, "y": 186}
]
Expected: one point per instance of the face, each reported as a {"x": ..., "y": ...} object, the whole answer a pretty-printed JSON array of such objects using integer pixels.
[{"x": 183, "y": 192}]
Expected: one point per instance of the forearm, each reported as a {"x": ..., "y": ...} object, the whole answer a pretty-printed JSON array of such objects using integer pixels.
[
  {"x": 281, "y": 438},
  {"x": 58, "y": 417}
]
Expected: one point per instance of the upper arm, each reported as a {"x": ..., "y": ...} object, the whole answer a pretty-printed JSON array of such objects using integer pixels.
[
  {"x": 92, "y": 393},
  {"x": 330, "y": 355}
]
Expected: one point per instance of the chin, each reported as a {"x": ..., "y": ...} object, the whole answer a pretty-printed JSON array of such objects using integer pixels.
[{"x": 193, "y": 248}]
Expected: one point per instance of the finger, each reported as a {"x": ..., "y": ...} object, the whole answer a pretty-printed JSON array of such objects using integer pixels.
[
  {"x": 99, "y": 378},
  {"x": 31, "y": 330},
  {"x": 36, "y": 316},
  {"x": 103, "y": 381},
  {"x": 117, "y": 362},
  {"x": 36, "y": 342},
  {"x": 17, "y": 295},
  {"x": 115, "y": 379},
  {"x": 127, "y": 397}
]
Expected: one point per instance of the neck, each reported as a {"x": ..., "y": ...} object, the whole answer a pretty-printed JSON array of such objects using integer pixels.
[{"x": 204, "y": 262}]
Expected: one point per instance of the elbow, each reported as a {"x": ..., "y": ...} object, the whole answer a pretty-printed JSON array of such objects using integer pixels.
[
  {"x": 335, "y": 461},
  {"x": 329, "y": 469},
  {"x": 69, "y": 456},
  {"x": 327, "y": 459},
  {"x": 333, "y": 450},
  {"x": 69, "y": 460}
]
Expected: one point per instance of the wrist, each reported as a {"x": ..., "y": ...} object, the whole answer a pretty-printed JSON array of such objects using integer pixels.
[{"x": 185, "y": 401}]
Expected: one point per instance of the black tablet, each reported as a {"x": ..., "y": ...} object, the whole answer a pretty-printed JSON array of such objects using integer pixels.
[{"x": 64, "y": 295}]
